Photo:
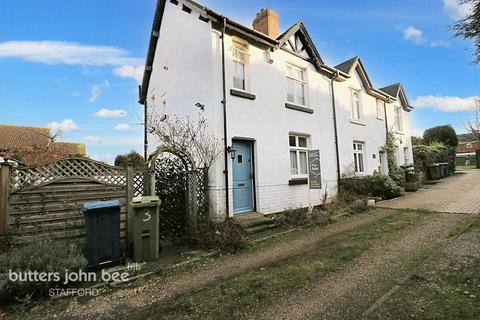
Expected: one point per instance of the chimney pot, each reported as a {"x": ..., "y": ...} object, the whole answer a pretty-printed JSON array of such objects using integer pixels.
[{"x": 266, "y": 22}]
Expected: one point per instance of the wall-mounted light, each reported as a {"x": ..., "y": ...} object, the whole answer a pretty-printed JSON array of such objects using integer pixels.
[
  {"x": 232, "y": 152},
  {"x": 200, "y": 106}
]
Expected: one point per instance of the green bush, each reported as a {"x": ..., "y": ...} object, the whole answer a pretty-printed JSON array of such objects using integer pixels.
[
  {"x": 41, "y": 256},
  {"x": 425, "y": 155},
  {"x": 376, "y": 185},
  {"x": 411, "y": 174},
  {"x": 445, "y": 135},
  {"x": 227, "y": 236}
]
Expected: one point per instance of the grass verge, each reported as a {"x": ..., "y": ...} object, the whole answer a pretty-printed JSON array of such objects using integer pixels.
[
  {"x": 446, "y": 288},
  {"x": 247, "y": 293}
]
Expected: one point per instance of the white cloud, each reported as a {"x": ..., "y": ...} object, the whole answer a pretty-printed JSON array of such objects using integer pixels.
[
  {"x": 62, "y": 52},
  {"x": 416, "y": 36},
  {"x": 110, "y": 113},
  {"x": 456, "y": 9},
  {"x": 445, "y": 103},
  {"x": 108, "y": 158},
  {"x": 122, "y": 127},
  {"x": 129, "y": 71},
  {"x": 97, "y": 89},
  {"x": 65, "y": 125},
  {"x": 413, "y": 34},
  {"x": 94, "y": 93},
  {"x": 92, "y": 139},
  {"x": 440, "y": 43}
]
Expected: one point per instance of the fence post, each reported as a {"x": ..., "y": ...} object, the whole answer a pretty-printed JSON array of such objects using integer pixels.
[
  {"x": 4, "y": 203},
  {"x": 130, "y": 192}
]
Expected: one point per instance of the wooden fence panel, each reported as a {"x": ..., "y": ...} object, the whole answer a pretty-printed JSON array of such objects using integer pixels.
[
  {"x": 54, "y": 211},
  {"x": 45, "y": 201}
]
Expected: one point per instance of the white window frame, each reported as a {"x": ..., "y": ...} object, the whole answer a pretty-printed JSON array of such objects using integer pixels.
[
  {"x": 298, "y": 150},
  {"x": 406, "y": 157},
  {"x": 355, "y": 113},
  {"x": 243, "y": 49},
  {"x": 380, "y": 109},
  {"x": 398, "y": 119},
  {"x": 297, "y": 81},
  {"x": 359, "y": 153}
]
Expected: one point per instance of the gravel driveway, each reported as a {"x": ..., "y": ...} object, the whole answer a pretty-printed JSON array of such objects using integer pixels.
[{"x": 459, "y": 193}]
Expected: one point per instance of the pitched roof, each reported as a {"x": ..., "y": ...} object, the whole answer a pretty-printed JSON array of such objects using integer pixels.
[
  {"x": 69, "y": 148},
  {"x": 346, "y": 66},
  {"x": 232, "y": 27},
  {"x": 396, "y": 90},
  {"x": 15, "y": 137},
  {"x": 392, "y": 90},
  {"x": 355, "y": 63},
  {"x": 308, "y": 43}
]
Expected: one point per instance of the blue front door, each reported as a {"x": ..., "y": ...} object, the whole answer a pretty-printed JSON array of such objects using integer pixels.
[{"x": 242, "y": 177}]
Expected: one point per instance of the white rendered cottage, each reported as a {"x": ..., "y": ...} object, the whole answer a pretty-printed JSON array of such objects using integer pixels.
[{"x": 271, "y": 99}]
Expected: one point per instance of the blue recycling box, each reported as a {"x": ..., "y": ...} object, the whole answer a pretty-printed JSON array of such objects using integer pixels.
[{"x": 102, "y": 223}]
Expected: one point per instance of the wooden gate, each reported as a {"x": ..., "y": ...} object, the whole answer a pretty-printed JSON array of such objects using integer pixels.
[{"x": 44, "y": 201}]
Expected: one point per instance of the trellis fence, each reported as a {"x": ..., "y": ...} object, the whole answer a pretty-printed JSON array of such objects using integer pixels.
[{"x": 44, "y": 201}]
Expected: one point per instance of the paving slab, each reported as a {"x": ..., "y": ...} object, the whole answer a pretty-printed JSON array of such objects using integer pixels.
[{"x": 459, "y": 193}]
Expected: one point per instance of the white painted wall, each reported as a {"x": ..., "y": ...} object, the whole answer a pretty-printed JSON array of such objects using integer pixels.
[
  {"x": 187, "y": 70},
  {"x": 369, "y": 129},
  {"x": 403, "y": 137}
]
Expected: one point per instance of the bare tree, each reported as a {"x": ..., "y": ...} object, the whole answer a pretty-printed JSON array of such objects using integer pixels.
[
  {"x": 190, "y": 136},
  {"x": 473, "y": 125}
]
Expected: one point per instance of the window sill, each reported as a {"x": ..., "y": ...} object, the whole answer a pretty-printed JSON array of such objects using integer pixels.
[
  {"x": 357, "y": 122},
  {"x": 297, "y": 181},
  {"x": 242, "y": 94},
  {"x": 381, "y": 119},
  {"x": 400, "y": 132},
  {"x": 297, "y": 107}
]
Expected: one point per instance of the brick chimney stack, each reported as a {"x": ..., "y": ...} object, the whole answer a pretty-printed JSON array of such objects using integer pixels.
[{"x": 267, "y": 22}]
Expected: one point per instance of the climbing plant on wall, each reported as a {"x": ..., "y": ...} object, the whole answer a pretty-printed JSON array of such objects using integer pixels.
[{"x": 394, "y": 171}]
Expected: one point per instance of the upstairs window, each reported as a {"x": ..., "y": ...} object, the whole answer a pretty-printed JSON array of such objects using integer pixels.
[
  {"x": 398, "y": 119},
  {"x": 355, "y": 104},
  {"x": 240, "y": 59},
  {"x": 298, "y": 156},
  {"x": 380, "y": 109},
  {"x": 296, "y": 85},
  {"x": 358, "y": 157}
]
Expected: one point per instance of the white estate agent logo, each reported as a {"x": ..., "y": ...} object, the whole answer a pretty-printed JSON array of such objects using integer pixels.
[{"x": 147, "y": 215}]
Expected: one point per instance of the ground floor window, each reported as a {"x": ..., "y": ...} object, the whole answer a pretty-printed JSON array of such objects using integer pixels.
[
  {"x": 298, "y": 156},
  {"x": 358, "y": 157},
  {"x": 405, "y": 155}
]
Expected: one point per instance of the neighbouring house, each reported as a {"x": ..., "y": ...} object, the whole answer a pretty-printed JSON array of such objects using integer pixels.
[
  {"x": 466, "y": 153},
  {"x": 467, "y": 148},
  {"x": 272, "y": 99},
  {"x": 33, "y": 145}
]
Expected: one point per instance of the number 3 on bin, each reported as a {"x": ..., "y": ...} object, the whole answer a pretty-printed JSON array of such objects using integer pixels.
[{"x": 148, "y": 216}]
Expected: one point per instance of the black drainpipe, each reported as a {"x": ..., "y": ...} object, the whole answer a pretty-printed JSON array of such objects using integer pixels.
[
  {"x": 145, "y": 132},
  {"x": 385, "y": 116},
  {"x": 334, "y": 76},
  {"x": 224, "y": 103}
]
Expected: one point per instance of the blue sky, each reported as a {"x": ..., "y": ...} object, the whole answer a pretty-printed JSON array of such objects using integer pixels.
[{"x": 75, "y": 65}]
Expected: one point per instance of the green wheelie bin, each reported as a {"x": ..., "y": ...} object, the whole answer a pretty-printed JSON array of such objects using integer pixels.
[
  {"x": 434, "y": 171},
  {"x": 145, "y": 229}
]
